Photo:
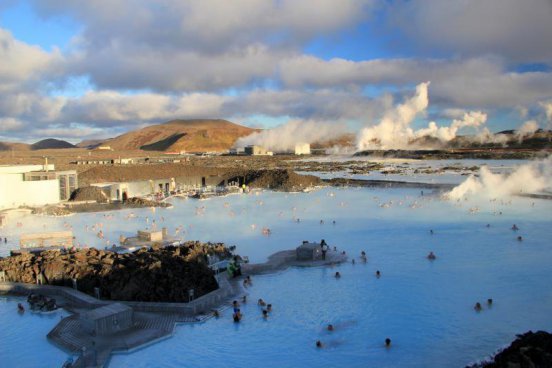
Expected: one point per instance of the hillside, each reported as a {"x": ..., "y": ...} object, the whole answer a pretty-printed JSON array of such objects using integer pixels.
[
  {"x": 183, "y": 135},
  {"x": 91, "y": 143},
  {"x": 10, "y": 146}
]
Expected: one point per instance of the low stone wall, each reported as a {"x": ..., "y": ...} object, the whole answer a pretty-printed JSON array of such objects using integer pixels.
[{"x": 82, "y": 300}]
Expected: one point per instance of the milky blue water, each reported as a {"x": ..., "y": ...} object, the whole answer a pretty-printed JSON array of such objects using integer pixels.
[
  {"x": 412, "y": 170},
  {"x": 425, "y": 307},
  {"x": 23, "y": 336}
]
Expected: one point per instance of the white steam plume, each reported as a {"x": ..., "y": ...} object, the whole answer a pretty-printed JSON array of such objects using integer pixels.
[
  {"x": 547, "y": 106},
  {"x": 286, "y": 136},
  {"x": 486, "y": 136},
  {"x": 533, "y": 177},
  {"x": 448, "y": 133},
  {"x": 394, "y": 130},
  {"x": 527, "y": 129}
]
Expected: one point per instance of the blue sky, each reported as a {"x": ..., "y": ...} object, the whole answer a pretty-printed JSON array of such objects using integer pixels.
[{"x": 81, "y": 70}]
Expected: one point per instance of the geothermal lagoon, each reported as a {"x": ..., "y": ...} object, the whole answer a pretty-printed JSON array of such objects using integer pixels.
[{"x": 425, "y": 307}]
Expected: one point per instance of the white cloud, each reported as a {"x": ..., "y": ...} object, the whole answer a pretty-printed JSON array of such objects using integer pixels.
[
  {"x": 518, "y": 30},
  {"x": 21, "y": 63},
  {"x": 9, "y": 124}
]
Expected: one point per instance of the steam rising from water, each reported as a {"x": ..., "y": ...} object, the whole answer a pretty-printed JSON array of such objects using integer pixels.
[
  {"x": 285, "y": 137},
  {"x": 393, "y": 131},
  {"x": 534, "y": 177}
]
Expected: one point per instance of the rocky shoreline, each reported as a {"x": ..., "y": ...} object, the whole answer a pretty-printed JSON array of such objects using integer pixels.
[
  {"x": 529, "y": 350},
  {"x": 152, "y": 275}
]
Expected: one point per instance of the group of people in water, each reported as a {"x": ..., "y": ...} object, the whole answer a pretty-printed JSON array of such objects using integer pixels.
[
  {"x": 478, "y": 308},
  {"x": 237, "y": 315}
]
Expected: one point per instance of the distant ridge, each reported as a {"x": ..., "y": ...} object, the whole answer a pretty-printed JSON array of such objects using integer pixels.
[
  {"x": 198, "y": 135},
  {"x": 51, "y": 143},
  {"x": 91, "y": 143}
]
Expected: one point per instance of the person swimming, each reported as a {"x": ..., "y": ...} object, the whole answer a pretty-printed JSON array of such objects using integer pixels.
[
  {"x": 330, "y": 327},
  {"x": 337, "y": 275},
  {"x": 378, "y": 274},
  {"x": 20, "y": 308},
  {"x": 363, "y": 256},
  {"x": 387, "y": 342},
  {"x": 265, "y": 314},
  {"x": 519, "y": 238},
  {"x": 477, "y": 307},
  {"x": 318, "y": 344},
  {"x": 269, "y": 307},
  {"x": 489, "y": 301},
  {"x": 261, "y": 303},
  {"x": 514, "y": 227},
  {"x": 431, "y": 256},
  {"x": 244, "y": 299},
  {"x": 235, "y": 306}
]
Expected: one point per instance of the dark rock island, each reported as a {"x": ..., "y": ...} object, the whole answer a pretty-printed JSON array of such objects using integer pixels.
[
  {"x": 529, "y": 350},
  {"x": 149, "y": 275}
]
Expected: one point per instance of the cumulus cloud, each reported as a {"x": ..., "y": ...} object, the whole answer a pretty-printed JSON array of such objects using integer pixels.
[
  {"x": 9, "y": 124},
  {"x": 194, "y": 45},
  {"x": 474, "y": 82},
  {"x": 22, "y": 63},
  {"x": 207, "y": 25},
  {"x": 151, "y": 62},
  {"x": 518, "y": 30}
]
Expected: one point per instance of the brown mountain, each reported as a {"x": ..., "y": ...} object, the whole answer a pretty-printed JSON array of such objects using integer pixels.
[{"x": 198, "y": 135}]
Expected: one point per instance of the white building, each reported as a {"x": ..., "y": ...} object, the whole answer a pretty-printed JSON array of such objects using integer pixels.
[
  {"x": 256, "y": 151},
  {"x": 15, "y": 191},
  {"x": 141, "y": 188},
  {"x": 302, "y": 149}
]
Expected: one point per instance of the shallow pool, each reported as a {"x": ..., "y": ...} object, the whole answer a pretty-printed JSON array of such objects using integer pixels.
[{"x": 425, "y": 307}]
